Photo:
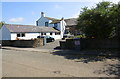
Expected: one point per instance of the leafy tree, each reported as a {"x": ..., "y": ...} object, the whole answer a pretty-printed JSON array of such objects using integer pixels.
[
  {"x": 100, "y": 21},
  {"x": 1, "y": 24}
]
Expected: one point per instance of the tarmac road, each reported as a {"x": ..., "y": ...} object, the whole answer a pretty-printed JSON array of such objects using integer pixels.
[{"x": 17, "y": 63}]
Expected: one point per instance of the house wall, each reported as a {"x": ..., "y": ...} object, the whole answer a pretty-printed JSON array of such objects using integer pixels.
[
  {"x": 55, "y": 36},
  {"x": 4, "y": 34},
  {"x": 42, "y": 20},
  {"x": 27, "y": 36},
  {"x": 33, "y": 35},
  {"x": 60, "y": 26}
]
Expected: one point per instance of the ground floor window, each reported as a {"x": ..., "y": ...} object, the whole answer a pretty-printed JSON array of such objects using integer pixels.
[
  {"x": 51, "y": 33},
  {"x": 20, "y": 34},
  {"x": 57, "y": 33},
  {"x": 44, "y": 33}
]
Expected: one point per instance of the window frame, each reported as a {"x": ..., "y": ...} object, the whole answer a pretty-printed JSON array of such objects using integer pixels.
[
  {"x": 51, "y": 33},
  {"x": 46, "y": 24},
  {"x": 20, "y": 34},
  {"x": 55, "y": 25}
]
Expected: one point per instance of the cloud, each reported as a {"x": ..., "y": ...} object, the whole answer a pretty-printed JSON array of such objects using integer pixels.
[
  {"x": 19, "y": 19},
  {"x": 76, "y": 15},
  {"x": 33, "y": 13},
  {"x": 57, "y": 6}
]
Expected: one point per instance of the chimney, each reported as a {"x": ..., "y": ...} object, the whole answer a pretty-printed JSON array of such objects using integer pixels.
[
  {"x": 42, "y": 14},
  {"x": 62, "y": 18}
]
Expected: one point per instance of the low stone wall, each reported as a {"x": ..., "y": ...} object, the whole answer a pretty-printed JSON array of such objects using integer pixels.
[
  {"x": 23, "y": 43},
  {"x": 99, "y": 43},
  {"x": 90, "y": 44}
]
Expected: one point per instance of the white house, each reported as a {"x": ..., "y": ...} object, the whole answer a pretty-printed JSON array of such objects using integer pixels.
[
  {"x": 58, "y": 24},
  {"x": 12, "y": 32}
]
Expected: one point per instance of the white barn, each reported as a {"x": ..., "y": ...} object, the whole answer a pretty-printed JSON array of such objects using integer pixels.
[{"x": 13, "y": 31}]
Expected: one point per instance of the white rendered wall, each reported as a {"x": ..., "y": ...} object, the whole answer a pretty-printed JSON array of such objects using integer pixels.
[
  {"x": 27, "y": 36},
  {"x": 55, "y": 36},
  {"x": 13, "y": 36},
  {"x": 42, "y": 20},
  {"x": 33, "y": 35},
  {"x": 4, "y": 33},
  {"x": 62, "y": 28}
]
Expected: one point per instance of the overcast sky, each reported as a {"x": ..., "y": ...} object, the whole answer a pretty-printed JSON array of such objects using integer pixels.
[{"x": 28, "y": 11}]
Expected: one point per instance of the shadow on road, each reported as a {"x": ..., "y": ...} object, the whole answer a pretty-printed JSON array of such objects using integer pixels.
[{"x": 93, "y": 56}]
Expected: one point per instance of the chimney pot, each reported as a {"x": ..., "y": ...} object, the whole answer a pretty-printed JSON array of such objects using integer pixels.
[{"x": 42, "y": 14}]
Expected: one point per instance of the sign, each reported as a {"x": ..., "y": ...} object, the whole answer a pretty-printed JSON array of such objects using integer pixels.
[{"x": 77, "y": 43}]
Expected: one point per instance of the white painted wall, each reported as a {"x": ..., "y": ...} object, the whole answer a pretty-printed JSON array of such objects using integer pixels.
[
  {"x": 33, "y": 35},
  {"x": 62, "y": 28},
  {"x": 27, "y": 36},
  {"x": 4, "y": 33},
  {"x": 55, "y": 36}
]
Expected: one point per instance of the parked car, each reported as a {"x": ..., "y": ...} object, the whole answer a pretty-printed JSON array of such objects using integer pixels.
[
  {"x": 48, "y": 38},
  {"x": 40, "y": 36}
]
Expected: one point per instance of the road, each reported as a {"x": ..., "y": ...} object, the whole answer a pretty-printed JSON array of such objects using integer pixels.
[
  {"x": 38, "y": 64},
  {"x": 26, "y": 63}
]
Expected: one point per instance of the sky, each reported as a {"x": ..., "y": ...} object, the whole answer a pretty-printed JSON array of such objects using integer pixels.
[{"x": 27, "y": 13}]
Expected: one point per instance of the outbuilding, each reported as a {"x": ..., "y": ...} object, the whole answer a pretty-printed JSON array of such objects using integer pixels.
[{"x": 13, "y": 32}]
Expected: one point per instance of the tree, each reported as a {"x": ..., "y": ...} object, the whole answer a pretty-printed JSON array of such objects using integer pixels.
[
  {"x": 98, "y": 22},
  {"x": 1, "y": 23}
]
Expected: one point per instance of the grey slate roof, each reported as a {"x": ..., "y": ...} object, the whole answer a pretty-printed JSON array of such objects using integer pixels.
[
  {"x": 71, "y": 21},
  {"x": 29, "y": 28},
  {"x": 54, "y": 20}
]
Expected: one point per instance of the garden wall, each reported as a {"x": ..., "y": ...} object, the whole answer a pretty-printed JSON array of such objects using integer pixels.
[
  {"x": 90, "y": 44},
  {"x": 23, "y": 43}
]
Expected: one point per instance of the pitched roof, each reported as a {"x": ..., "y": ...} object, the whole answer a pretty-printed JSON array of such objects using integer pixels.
[
  {"x": 71, "y": 21},
  {"x": 29, "y": 28},
  {"x": 51, "y": 18},
  {"x": 54, "y": 20}
]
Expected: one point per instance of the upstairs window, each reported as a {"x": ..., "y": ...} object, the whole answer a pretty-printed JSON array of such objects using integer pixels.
[
  {"x": 46, "y": 23},
  {"x": 37, "y": 23},
  {"x": 55, "y": 25}
]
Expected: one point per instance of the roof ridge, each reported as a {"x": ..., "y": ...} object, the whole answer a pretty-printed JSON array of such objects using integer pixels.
[{"x": 51, "y": 18}]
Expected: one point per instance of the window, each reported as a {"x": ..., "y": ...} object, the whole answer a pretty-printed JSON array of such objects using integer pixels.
[
  {"x": 18, "y": 35},
  {"x": 37, "y": 23},
  {"x": 44, "y": 33},
  {"x": 41, "y": 33},
  {"x": 46, "y": 23},
  {"x": 57, "y": 33},
  {"x": 55, "y": 25},
  {"x": 51, "y": 33},
  {"x": 21, "y": 35}
]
